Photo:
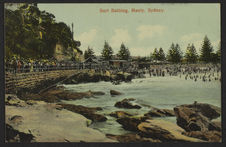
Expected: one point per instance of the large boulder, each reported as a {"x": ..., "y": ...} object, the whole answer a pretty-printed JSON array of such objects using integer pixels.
[
  {"x": 164, "y": 131},
  {"x": 131, "y": 123},
  {"x": 207, "y": 110},
  {"x": 160, "y": 113},
  {"x": 125, "y": 103},
  {"x": 57, "y": 94},
  {"x": 114, "y": 93},
  {"x": 85, "y": 111},
  {"x": 192, "y": 119},
  {"x": 43, "y": 122}
]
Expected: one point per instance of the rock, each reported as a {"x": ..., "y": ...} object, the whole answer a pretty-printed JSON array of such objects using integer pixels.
[
  {"x": 120, "y": 114},
  {"x": 13, "y": 100},
  {"x": 131, "y": 99},
  {"x": 55, "y": 95},
  {"x": 125, "y": 103},
  {"x": 47, "y": 97},
  {"x": 168, "y": 112},
  {"x": 66, "y": 95},
  {"x": 85, "y": 111},
  {"x": 160, "y": 113},
  {"x": 13, "y": 135},
  {"x": 217, "y": 124},
  {"x": 97, "y": 93},
  {"x": 16, "y": 119},
  {"x": 131, "y": 123},
  {"x": 47, "y": 124},
  {"x": 31, "y": 102},
  {"x": 210, "y": 136},
  {"x": 191, "y": 119},
  {"x": 164, "y": 131},
  {"x": 93, "y": 76},
  {"x": 207, "y": 110},
  {"x": 129, "y": 138},
  {"x": 114, "y": 92}
]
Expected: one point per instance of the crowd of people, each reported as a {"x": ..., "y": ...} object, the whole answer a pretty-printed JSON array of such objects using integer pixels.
[
  {"x": 205, "y": 72},
  {"x": 18, "y": 65}
]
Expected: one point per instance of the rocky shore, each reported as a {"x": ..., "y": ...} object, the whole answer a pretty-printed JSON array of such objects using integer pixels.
[
  {"x": 38, "y": 121},
  {"x": 44, "y": 117},
  {"x": 93, "y": 76}
]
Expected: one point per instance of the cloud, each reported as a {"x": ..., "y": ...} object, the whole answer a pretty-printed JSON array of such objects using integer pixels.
[
  {"x": 149, "y": 31},
  {"x": 192, "y": 37},
  {"x": 141, "y": 51},
  {"x": 120, "y": 35},
  {"x": 195, "y": 38},
  {"x": 86, "y": 38}
]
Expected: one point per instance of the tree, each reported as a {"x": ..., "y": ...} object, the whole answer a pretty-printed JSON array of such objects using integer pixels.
[
  {"x": 191, "y": 55},
  {"x": 89, "y": 53},
  {"x": 174, "y": 54},
  {"x": 31, "y": 33},
  {"x": 206, "y": 50},
  {"x": 155, "y": 54},
  {"x": 124, "y": 53},
  {"x": 107, "y": 52},
  {"x": 161, "y": 55}
]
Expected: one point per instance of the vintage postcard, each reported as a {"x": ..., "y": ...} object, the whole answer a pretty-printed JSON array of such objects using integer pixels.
[{"x": 111, "y": 72}]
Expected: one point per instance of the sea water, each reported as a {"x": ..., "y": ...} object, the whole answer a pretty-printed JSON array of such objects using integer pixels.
[{"x": 160, "y": 92}]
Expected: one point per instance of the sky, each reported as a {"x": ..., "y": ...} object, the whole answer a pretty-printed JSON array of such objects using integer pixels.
[{"x": 141, "y": 31}]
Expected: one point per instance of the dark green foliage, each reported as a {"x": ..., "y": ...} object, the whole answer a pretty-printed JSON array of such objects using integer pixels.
[
  {"x": 124, "y": 53},
  {"x": 154, "y": 55},
  {"x": 191, "y": 55},
  {"x": 206, "y": 50},
  {"x": 89, "y": 53},
  {"x": 214, "y": 57},
  {"x": 32, "y": 33},
  {"x": 107, "y": 52},
  {"x": 142, "y": 59},
  {"x": 161, "y": 55},
  {"x": 158, "y": 55},
  {"x": 174, "y": 54}
]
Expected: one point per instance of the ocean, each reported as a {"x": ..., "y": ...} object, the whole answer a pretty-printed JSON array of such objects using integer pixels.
[{"x": 160, "y": 92}]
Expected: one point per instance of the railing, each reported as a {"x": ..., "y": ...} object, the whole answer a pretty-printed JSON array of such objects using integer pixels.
[{"x": 53, "y": 67}]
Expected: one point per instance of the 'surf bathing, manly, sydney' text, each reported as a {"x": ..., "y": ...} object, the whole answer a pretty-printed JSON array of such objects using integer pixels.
[{"x": 132, "y": 10}]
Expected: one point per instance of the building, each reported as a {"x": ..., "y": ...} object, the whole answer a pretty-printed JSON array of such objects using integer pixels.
[
  {"x": 91, "y": 63},
  {"x": 119, "y": 63}
]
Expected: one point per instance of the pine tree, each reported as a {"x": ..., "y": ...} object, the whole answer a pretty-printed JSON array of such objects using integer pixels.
[
  {"x": 155, "y": 54},
  {"x": 191, "y": 55},
  {"x": 89, "y": 53},
  {"x": 161, "y": 55},
  {"x": 170, "y": 52},
  {"x": 174, "y": 54},
  {"x": 124, "y": 53},
  {"x": 107, "y": 52},
  {"x": 206, "y": 50}
]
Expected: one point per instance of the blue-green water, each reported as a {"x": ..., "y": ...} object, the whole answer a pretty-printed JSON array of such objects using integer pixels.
[{"x": 160, "y": 92}]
